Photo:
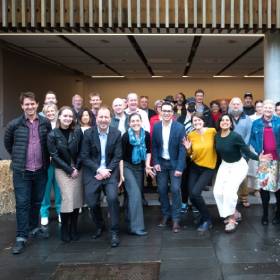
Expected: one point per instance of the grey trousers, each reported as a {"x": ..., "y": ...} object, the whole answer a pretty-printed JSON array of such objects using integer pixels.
[{"x": 134, "y": 175}]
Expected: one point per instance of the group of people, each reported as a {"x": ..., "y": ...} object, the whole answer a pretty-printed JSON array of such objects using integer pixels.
[{"x": 182, "y": 143}]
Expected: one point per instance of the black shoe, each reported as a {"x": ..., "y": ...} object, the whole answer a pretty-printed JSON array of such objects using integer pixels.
[
  {"x": 115, "y": 240},
  {"x": 276, "y": 220},
  {"x": 138, "y": 232},
  {"x": 18, "y": 248},
  {"x": 264, "y": 221},
  {"x": 98, "y": 233}
]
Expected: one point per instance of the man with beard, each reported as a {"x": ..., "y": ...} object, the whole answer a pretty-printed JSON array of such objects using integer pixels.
[{"x": 242, "y": 125}]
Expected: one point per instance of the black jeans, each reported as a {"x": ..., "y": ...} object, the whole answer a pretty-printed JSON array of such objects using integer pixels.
[
  {"x": 265, "y": 196},
  {"x": 199, "y": 177},
  {"x": 29, "y": 189}
]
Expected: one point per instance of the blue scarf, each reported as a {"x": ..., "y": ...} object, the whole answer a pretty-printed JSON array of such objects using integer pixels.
[{"x": 139, "y": 146}]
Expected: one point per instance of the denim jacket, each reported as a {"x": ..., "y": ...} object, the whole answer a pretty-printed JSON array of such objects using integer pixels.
[{"x": 256, "y": 139}]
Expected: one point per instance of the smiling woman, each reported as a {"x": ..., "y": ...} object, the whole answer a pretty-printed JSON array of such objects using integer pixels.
[
  {"x": 64, "y": 144},
  {"x": 136, "y": 159}
]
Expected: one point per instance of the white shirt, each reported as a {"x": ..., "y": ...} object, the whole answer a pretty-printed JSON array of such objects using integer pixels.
[
  {"x": 165, "y": 140},
  {"x": 121, "y": 126},
  {"x": 144, "y": 117},
  {"x": 103, "y": 141}
]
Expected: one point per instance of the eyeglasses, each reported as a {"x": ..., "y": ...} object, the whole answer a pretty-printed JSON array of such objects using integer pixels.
[{"x": 166, "y": 111}]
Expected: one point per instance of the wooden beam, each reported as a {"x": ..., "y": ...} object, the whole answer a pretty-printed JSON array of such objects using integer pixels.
[
  {"x": 204, "y": 7},
  {"x": 81, "y": 13},
  {"x": 100, "y": 13},
  {"x": 231, "y": 13},
  {"x": 195, "y": 13},
  {"x": 119, "y": 13},
  {"x": 148, "y": 13},
  {"x": 14, "y": 13},
  {"x": 52, "y": 13},
  {"x": 167, "y": 13},
  {"x": 129, "y": 23},
  {"x": 260, "y": 13},
  {"x": 110, "y": 13},
  {"x": 90, "y": 13},
  {"x": 241, "y": 14},
  {"x": 222, "y": 13},
  {"x": 176, "y": 14},
  {"x": 214, "y": 14},
  {"x": 138, "y": 12},
  {"x": 4, "y": 13},
  {"x": 33, "y": 13}
]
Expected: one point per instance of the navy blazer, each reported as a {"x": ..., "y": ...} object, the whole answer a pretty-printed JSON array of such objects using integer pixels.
[
  {"x": 176, "y": 148},
  {"x": 91, "y": 153}
]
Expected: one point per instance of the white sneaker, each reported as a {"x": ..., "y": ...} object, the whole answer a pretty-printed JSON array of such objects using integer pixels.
[
  {"x": 59, "y": 219},
  {"x": 44, "y": 221}
]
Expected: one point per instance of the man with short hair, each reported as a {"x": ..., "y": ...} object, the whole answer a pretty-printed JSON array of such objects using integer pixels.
[
  {"x": 277, "y": 109},
  {"x": 224, "y": 106},
  {"x": 132, "y": 107},
  {"x": 77, "y": 104},
  {"x": 26, "y": 141},
  {"x": 169, "y": 157},
  {"x": 242, "y": 124},
  {"x": 203, "y": 108},
  {"x": 50, "y": 98},
  {"x": 248, "y": 105},
  {"x": 95, "y": 101},
  {"x": 144, "y": 105},
  {"x": 101, "y": 154},
  {"x": 119, "y": 119}
]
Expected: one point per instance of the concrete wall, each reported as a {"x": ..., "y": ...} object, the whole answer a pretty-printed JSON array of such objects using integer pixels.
[
  {"x": 159, "y": 88},
  {"x": 21, "y": 73}
]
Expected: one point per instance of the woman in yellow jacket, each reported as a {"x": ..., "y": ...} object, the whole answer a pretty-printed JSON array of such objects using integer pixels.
[{"x": 201, "y": 149}]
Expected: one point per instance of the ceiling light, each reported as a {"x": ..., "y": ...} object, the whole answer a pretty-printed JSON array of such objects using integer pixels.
[
  {"x": 224, "y": 76},
  {"x": 185, "y": 76},
  {"x": 254, "y": 76},
  {"x": 156, "y": 76},
  {"x": 97, "y": 77}
]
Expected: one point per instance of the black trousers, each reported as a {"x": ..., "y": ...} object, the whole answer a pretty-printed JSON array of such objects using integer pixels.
[
  {"x": 265, "y": 196},
  {"x": 199, "y": 177},
  {"x": 92, "y": 198}
]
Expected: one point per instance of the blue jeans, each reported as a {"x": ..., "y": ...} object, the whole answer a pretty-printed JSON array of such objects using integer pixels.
[
  {"x": 46, "y": 203},
  {"x": 162, "y": 181},
  {"x": 29, "y": 189}
]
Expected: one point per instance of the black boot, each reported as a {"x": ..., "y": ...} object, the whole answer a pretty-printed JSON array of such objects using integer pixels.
[
  {"x": 74, "y": 225},
  {"x": 65, "y": 227}
]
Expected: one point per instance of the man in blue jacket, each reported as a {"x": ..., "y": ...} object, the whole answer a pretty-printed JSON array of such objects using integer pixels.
[{"x": 169, "y": 157}]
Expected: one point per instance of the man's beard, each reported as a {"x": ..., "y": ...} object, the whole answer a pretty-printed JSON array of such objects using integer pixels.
[{"x": 235, "y": 113}]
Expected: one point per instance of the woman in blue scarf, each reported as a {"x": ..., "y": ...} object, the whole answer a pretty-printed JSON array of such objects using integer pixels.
[{"x": 136, "y": 159}]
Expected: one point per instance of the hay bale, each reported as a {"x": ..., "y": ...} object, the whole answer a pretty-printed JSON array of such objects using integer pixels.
[{"x": 7, "y": 198}]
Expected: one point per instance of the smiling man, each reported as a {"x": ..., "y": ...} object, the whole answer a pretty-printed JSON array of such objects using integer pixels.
[
  {"x": 26, "y": 141},
  {"x": 101, "y": 154}
]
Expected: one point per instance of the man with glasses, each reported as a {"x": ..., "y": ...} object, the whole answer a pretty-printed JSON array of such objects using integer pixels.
[{"x": 169, "y": 157}]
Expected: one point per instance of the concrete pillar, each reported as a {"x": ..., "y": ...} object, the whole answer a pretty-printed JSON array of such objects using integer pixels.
[{"x": 272, "y": 66}]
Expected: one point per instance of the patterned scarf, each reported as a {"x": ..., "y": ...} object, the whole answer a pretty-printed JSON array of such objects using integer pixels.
[{"x": 139, "y": 147}]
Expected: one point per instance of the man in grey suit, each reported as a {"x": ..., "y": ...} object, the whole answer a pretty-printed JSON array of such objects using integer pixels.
[{"x": 101, "y": 153}]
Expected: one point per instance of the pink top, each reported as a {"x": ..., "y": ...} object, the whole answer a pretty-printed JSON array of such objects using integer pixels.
[
  {"x": 269, "y": 142},
  {"x": 34, "y": 160}
]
